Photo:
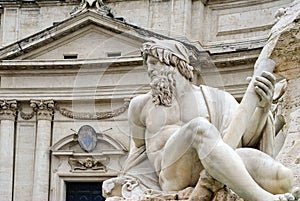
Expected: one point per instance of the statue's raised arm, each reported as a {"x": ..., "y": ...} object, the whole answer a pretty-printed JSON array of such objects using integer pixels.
[{"x": 251, "y": 115}]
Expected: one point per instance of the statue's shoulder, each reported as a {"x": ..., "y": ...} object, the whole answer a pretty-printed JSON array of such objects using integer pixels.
[
  {"x": 141, "y": 99},
  {"x": 138, "y": 102},
  {"x": 213, "y": 93}
]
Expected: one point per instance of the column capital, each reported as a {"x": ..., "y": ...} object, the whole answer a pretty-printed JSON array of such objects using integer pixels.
[
  {"x": 8, "y": 109},
  {"x": 44, "y": 109}
]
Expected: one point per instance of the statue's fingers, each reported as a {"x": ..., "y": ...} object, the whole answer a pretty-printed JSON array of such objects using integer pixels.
[
  {"x": 263, "y": 87},
  {"x": 269, "y": 76},
  {"x": 261, "y": 93},
  {"x": 265, "y": 81}
]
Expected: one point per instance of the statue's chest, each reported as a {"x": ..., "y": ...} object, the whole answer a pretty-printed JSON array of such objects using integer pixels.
[{"x": 158, "y": 117}]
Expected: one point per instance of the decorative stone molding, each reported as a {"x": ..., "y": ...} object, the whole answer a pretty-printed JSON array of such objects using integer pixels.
[
  {"x": 96, "y": 5},
  {"x": 25, "y": 116},
  {"x": 8, "y": 109},
  {"x": 44, "y": 109},
  {"x": 93, "y": 116},
  {"x": 88, "y": 164}
]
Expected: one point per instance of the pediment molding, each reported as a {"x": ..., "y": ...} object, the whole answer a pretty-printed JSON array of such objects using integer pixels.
[
  {"x": 70, "y": 64},
  {"x": 224, "y": 4},
  {"x": 79, "y": 22},
  {"x": 89, "y": 42},
  {"x": 58, "y": 149},
  {"x": 70, "y": 26},
  {"x": 63, "y": 29},
  {"x": 106, "y": 157}
]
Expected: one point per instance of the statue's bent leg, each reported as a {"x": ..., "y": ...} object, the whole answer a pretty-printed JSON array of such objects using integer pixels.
[
  {"x": 220, "y": 160},
  {"x": 181, "y": 166},
  {"x": 268, "y": 173}
]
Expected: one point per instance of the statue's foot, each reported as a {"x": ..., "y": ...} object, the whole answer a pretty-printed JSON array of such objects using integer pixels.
[
  {"x": 286, "y": 197},
  {"x": 296, "y": 192},
  {"x": 293, "y": 196}
]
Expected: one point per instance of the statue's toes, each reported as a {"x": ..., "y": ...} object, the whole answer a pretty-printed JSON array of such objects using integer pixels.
[
  {"x": 287, "y": 197},
  {"x": 296, "y": 192}
]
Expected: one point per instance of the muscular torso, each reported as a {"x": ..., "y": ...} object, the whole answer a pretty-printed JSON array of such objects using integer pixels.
[{"x": 162, "y": 122}]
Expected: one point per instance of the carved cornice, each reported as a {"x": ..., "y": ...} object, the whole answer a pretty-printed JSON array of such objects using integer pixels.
[
  {"x": 8, "y": 109},
  {"x": 44, "y": 109},
  {"x": 225, "y": 4},
  {"x": 93, "y": 116},
  {"x": 113, "y": 64}
]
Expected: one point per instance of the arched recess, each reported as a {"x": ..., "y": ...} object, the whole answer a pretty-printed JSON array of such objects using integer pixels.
[{"x": 70, "y": 163}]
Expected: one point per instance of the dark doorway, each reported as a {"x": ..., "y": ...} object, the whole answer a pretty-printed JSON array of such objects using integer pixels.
[{"x": 84, "y": 191}]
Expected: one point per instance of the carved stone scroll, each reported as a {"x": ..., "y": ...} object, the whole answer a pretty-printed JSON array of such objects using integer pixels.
[
  {"x": 43, "y": 108},
  {"x": 88, "y": 164},
  {"x": 96, "y": 5},
  {"x": 26, "y": 116},
  {"x": 93, "y": 116},
  {"x": 8, "y": 109}
]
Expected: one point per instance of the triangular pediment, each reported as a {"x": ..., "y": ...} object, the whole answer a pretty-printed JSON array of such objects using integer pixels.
[
  {"x": 87, "y": 36},
  {"x": 89, "y": 42}
]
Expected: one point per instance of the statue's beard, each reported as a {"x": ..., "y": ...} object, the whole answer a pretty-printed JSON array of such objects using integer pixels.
[{"x": 163, "y": 87}]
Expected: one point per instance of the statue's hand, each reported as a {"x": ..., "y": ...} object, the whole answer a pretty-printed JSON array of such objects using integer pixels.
[{"x": 264, "y": 87}]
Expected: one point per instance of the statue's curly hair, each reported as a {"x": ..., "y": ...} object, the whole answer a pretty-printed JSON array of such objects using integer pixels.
[{"x": 168, "y": 57}]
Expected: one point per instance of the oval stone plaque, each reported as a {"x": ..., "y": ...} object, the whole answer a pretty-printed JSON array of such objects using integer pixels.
[{"x": 87, "y": 138}]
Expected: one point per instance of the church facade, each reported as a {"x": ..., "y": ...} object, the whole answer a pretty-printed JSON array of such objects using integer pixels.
[{"x": 69, "y": 69}]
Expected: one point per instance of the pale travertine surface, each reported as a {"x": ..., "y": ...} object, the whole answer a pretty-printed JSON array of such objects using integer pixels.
[
  {"x": 173, "y": 129},
  {"x": 86, "y": 60}
]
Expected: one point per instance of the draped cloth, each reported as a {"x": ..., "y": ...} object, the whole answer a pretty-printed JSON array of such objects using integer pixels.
[
  {"x": 140, "y": 176},
  {"x": 222, "y": 106}
]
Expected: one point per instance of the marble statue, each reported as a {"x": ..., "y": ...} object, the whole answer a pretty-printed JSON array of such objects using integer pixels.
[{"x": 189, "y": 141}]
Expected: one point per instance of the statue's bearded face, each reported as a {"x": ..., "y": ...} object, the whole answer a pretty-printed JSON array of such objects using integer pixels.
[{"x": 162, "y": 81}]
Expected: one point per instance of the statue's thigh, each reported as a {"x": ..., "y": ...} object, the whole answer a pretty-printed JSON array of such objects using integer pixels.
[
  {"x": 180, "y": 163},
  {"x": 183, "y": 172}
]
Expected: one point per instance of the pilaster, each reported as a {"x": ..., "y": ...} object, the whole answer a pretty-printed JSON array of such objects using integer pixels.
[
  {"x": 8, "y": 111},
  {"x": 44, "y": 110}
]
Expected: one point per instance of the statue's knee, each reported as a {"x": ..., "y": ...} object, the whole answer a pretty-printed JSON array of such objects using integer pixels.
[
  {"x": 171, "y": 184},
  {"x": 198, "y": 123},
  {"x": 285, "y": 176},
  {"x": 285, "y": 172}
]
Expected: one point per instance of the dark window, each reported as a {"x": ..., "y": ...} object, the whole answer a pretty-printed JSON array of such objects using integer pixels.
[
  {"x": 84, "y": 191},
  {"x": 113, "y": 54},
  {"x": 70, "y": 56}
]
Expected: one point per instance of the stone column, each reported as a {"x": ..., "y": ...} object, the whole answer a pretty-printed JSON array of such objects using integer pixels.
[
  {"x": 8, "y": 110},
  {"x": 44, "y": 111}
]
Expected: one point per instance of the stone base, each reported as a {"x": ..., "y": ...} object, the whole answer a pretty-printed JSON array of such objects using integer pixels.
[{"x": 224, "y": 194}]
